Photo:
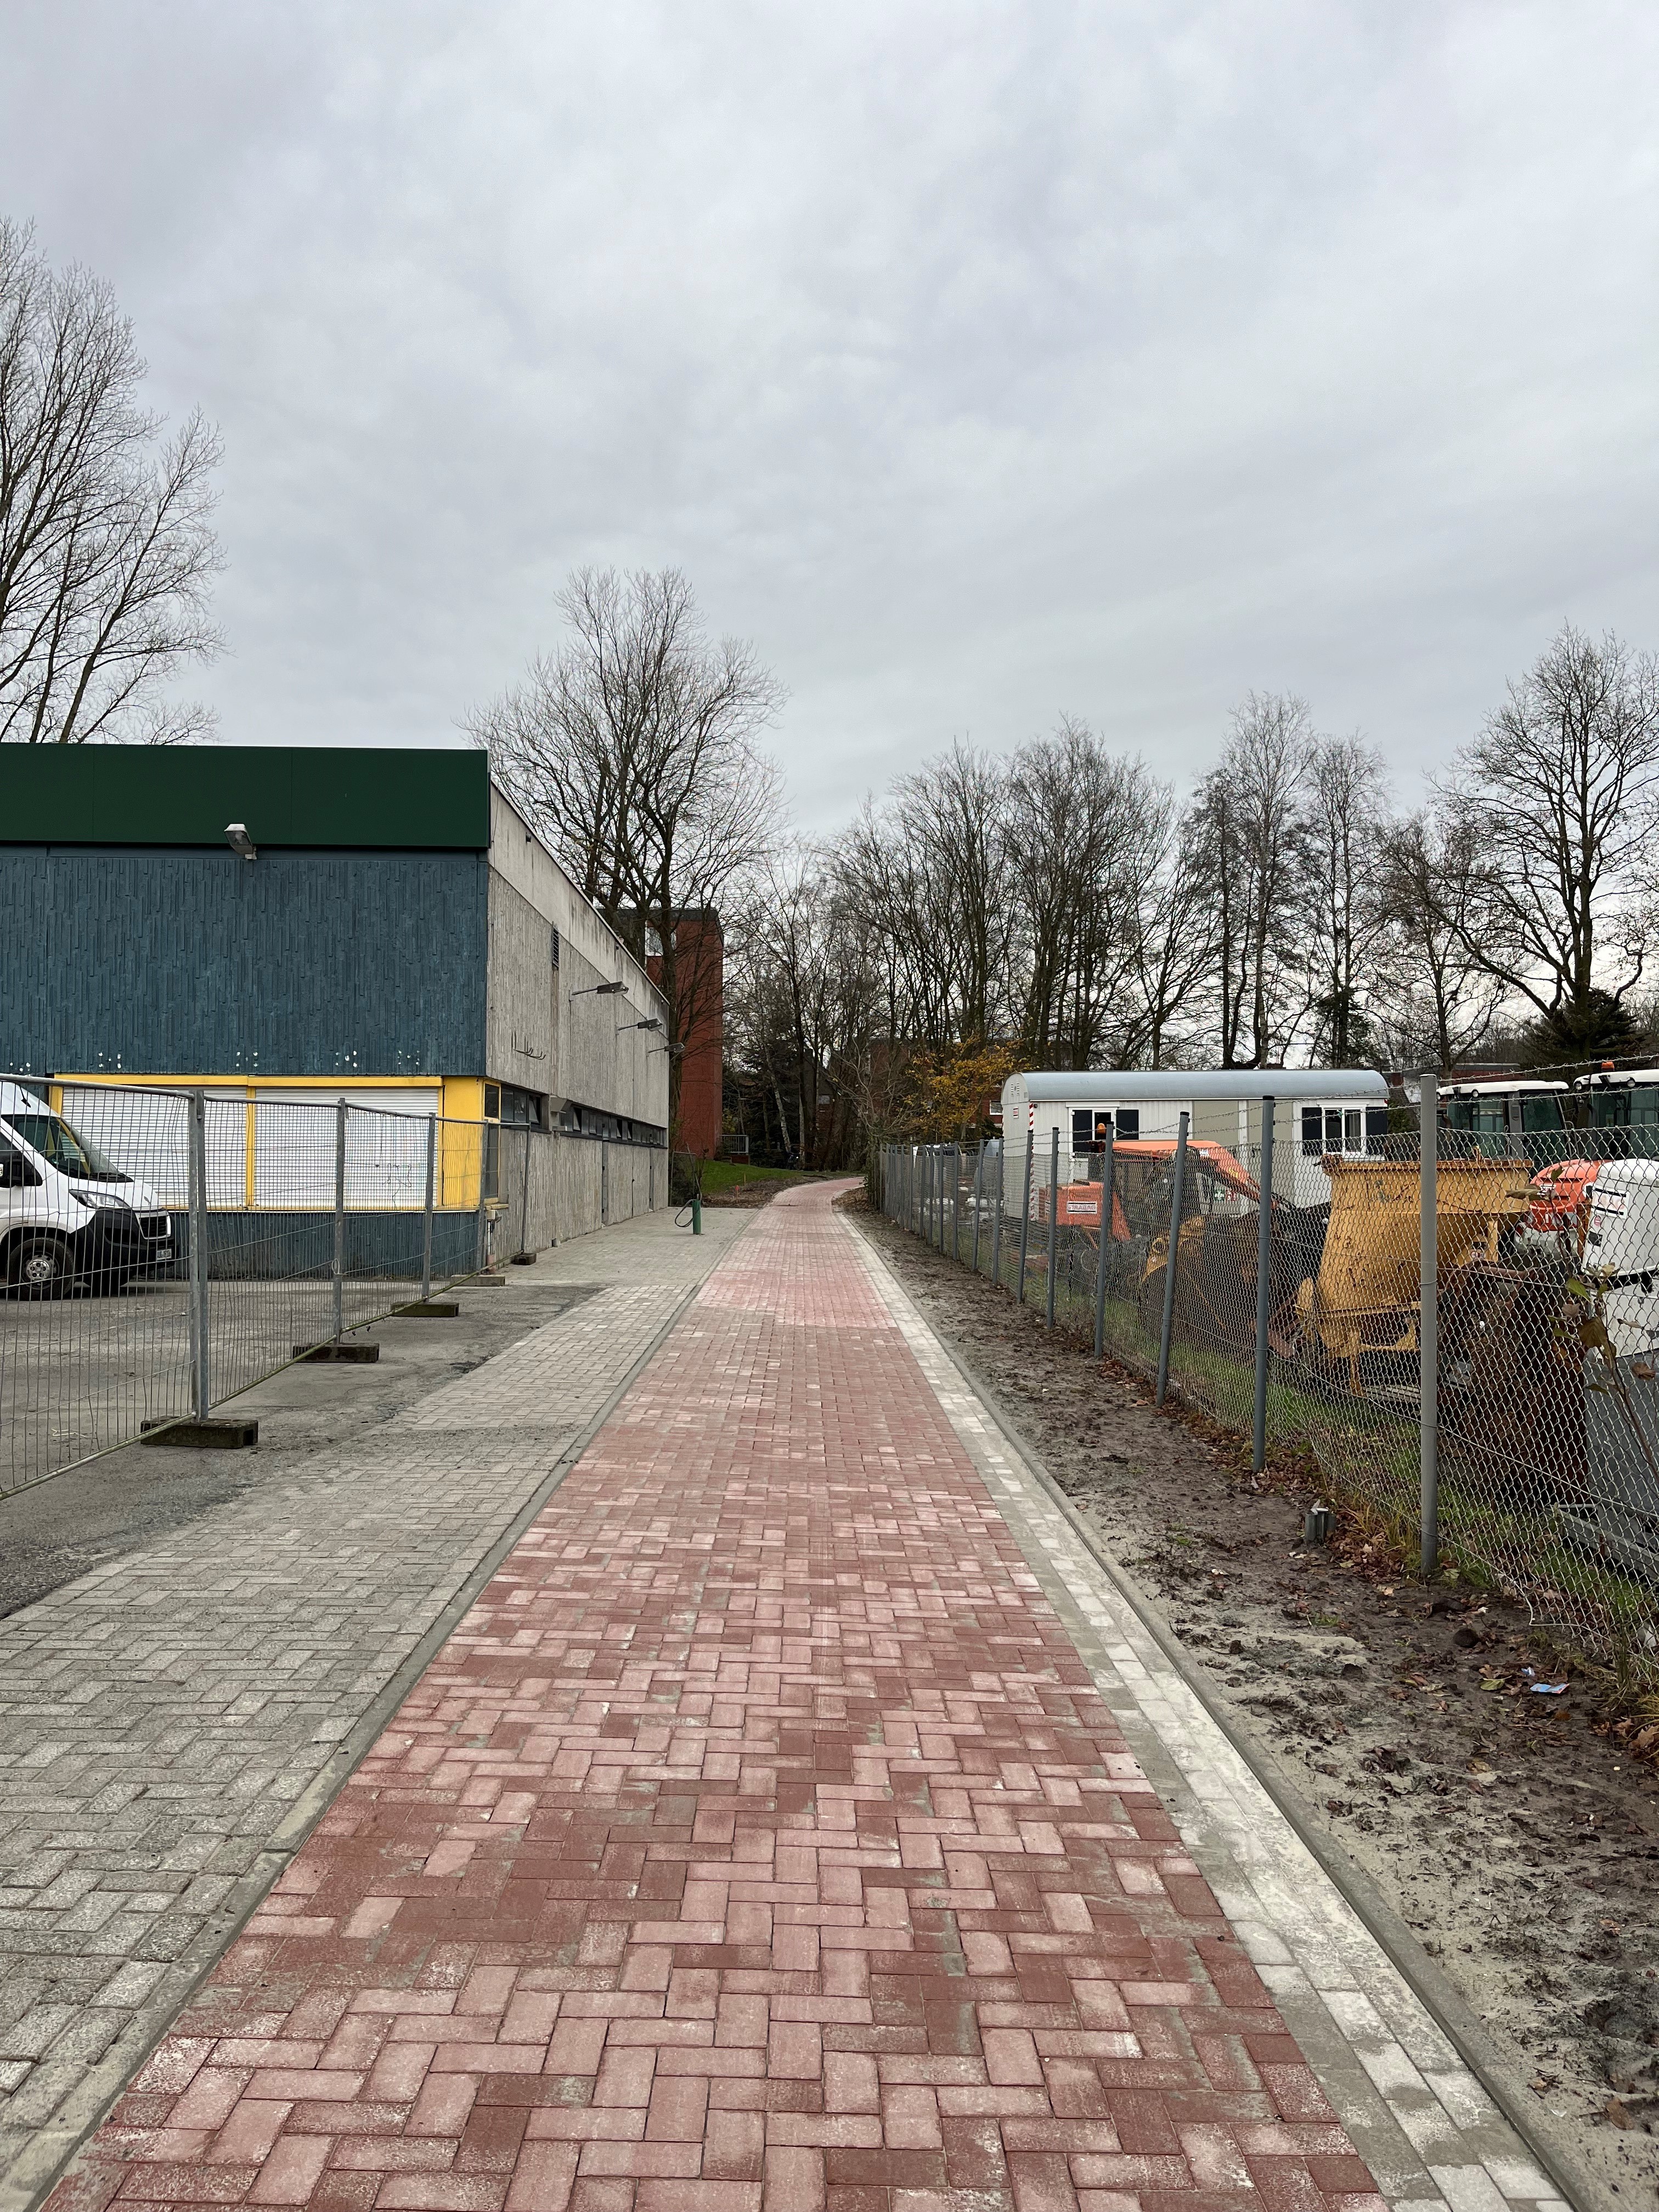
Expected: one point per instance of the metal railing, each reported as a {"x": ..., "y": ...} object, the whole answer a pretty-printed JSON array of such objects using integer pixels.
[{"x": 1464, "y": 1331}]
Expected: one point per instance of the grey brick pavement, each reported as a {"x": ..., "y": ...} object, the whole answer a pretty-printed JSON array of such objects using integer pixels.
[{"x": 172, "y": 1721}]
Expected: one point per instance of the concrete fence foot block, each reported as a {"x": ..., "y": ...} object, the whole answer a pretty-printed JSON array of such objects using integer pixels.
[
  {"x": 201, "y": 1436},
  {"x": 353, "y": 1355},
  {"x": 429, "y": 1310}
]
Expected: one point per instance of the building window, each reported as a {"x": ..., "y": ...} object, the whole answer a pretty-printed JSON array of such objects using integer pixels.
[
  {"x": 1376, "y": 1128},
  {"x": 1128, "y": 1122},
  {"x": 492, "y": 1102},
  {"x": 555, "y": 948},
  {"x": 1313, "y": 1134},
  {"x": 520, "y": 1109}
]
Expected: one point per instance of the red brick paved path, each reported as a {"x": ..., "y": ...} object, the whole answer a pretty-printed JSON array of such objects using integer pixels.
[{"x": 759, "y": 1841}]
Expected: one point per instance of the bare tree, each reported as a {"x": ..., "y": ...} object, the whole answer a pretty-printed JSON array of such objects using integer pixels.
[
  {"x": 1173, "y": 948},
  {"x": 1346, "y": 812},
  {"x": 801, "y": 996},
  {"x": 1249, "y": 853},
  {"x": 1086, "y": 828},
  {"x": 929, "y": 872},
  {"x": 1558, "y": 799},
  {"x": 106, "y": 546},
  {"x": 1438, "y": 999},
  {"x": 634, "y": 750}
]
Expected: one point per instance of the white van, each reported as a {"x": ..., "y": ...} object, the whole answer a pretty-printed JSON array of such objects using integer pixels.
[{"x": 68, "y": 1215}]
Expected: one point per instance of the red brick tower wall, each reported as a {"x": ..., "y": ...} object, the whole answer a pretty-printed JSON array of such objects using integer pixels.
[{"x": 700, "y": 986}]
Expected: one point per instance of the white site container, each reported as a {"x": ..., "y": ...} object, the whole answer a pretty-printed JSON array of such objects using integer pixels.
[{"x": 1318, "y": 1112}]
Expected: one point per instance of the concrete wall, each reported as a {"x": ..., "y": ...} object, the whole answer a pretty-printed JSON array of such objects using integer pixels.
[
  {"x": 588, "y": 1062},
  {"x": 521, "y": 1026},
  {"x": 577, "y": 1184},
  {"x": 301, "y": 963}
]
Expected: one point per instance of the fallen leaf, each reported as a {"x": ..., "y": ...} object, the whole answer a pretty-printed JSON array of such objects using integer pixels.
[{"x": 1616, "y": 2112}]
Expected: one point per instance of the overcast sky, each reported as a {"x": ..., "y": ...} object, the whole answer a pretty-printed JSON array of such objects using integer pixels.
[{"x": 978, "y": 362}]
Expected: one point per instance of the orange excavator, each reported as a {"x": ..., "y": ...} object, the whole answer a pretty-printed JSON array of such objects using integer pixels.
[{"x": 1079, "y": 1204}]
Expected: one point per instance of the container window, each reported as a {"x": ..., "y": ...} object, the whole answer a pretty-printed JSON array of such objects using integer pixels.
[
  {"x": 1313, "y": 1133},
  {"x": 1376, "y": 1128},
  {"x": 1128, "y": 1122},
  {"x": 1353, "y": 1128}
]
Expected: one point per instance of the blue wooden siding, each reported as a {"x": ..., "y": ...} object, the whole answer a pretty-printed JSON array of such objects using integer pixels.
[{"x": 182, "y": 962}]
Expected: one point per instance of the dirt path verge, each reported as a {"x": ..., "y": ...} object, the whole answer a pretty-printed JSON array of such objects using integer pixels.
[{"x": 1521, "y": 1846}]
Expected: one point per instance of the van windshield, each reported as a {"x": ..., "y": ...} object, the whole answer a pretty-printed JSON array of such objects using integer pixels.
[{"x": 59, "y": 1146}]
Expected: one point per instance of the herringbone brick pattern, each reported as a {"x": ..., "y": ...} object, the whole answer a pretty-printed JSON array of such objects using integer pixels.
[{"x": 759, "y": 1841}]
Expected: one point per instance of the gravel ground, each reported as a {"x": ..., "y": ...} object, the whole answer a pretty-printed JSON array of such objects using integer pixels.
[{"x": 1522, "y": 1846}]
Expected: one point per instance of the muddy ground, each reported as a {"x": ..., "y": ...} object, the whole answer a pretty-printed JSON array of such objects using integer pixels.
[{"x": 1520, "y": 1845}]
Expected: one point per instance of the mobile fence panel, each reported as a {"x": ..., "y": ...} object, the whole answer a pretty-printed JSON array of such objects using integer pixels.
[
  {"x": 161, "y": 1251},
  {"x": 1506, "y": 1426}
]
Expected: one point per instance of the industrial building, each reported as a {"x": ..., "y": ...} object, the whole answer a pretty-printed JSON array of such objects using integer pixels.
[{"x": 300, "y": 924}]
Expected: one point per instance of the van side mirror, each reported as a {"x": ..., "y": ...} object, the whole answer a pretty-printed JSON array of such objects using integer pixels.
[{"x": 16, "y": 1174}]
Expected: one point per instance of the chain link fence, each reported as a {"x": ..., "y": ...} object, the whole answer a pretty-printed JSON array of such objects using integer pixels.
[
  {"x": 162, "y": 1250},
  {"x": 1509, "y": 1421}
]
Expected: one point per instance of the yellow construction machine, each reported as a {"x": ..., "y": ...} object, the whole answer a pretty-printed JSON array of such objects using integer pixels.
[{"x": 1364, "y": 1300}]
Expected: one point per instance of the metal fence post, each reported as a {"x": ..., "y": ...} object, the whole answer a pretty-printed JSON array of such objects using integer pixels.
[
  {"x": 1428, "y": 1329},
  {"x": 201, "y": 1379},
  {"x": 1053, "y": 1216},
  {"x": 524, "y": 1206},
  {"x": 605, "y": 1182},
  {"x": 996, "y": 1223},
  {"x": 956, "y": 1204},
  {"x": 1264, "y": 1258},
  {"x": 339, "y": 1217},
  {"x": 1170, "y": 1260},
  {"x": 483, "y": 1218},
  {"x": 1105, "y": 1242},
  {"x": 431, "y": 1192},
  {"x": 1025, "y": 1212},
  {"x": 979, "y": 1179}
]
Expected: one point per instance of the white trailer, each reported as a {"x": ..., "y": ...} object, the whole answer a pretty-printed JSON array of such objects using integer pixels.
[{"x": 1318, "y": 1113}]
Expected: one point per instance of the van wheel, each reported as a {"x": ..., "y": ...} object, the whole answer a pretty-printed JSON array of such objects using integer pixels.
[{"x": 39, "y": 1267}]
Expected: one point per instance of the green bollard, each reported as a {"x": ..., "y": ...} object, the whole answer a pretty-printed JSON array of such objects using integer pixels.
[{"x": 696, "y": 1213}]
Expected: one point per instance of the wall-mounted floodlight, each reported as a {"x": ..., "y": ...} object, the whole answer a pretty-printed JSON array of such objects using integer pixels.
[
  {"x": 674, "y": 1051},
  {"x": 651, "y": 1022},
  {"x": 237, "y": 838},
  {"x": 600, "y": 990}
]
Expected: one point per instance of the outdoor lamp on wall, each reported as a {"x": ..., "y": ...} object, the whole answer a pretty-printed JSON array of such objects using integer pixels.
[
  {"x": 651, "y": 1022},
  {"x": 237, "y": 838},
  {"x": 600, "y": 990}
]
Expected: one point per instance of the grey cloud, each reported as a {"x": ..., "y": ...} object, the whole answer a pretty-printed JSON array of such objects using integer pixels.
[{"x": 977, "y": 362}]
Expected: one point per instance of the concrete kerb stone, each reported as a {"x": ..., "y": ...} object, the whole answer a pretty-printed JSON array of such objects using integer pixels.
[
  {"x": 1400, "y": 2055},
  {"x": 95, "y": 2086}
]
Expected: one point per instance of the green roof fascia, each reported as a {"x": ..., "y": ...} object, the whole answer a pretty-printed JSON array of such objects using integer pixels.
[{"x": 357, "y": 796}]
